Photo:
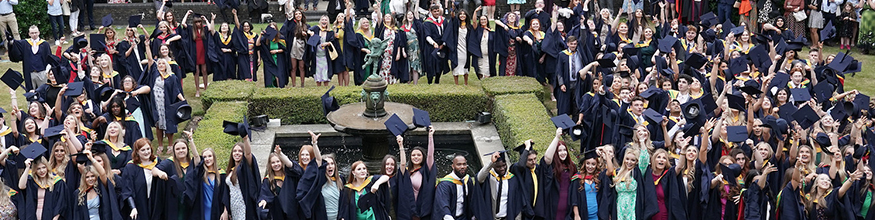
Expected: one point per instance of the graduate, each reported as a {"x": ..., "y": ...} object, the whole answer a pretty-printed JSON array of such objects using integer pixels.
[
  {"x": 559, "y": 193},
  {"x": 142, "y": 193},
  {"x": 95, "y": 198},
  {"x": 165, "y": 83},
  {"x": 361, "y": 197},
  {"x": 435, "y": 63},
  {"x": 33, "y": 63},
  {"x": 535, "y": 178},
  {"x": 321, "y": 64},
  {"x": 177, "y": 167},
  {"x": 204, "y": 188},
  {"x": 119, "y": 152},
  {"x": 116, "y": 113},
  {"x": 448, "y": 205},
  {"x": 412, "y": 26},
  {"x": 163, "y": 36},
  {"x": 244, "y": 42},
  {"x": 275, "y": 191},
  {"x": 530, "y": 49},
  {"x": 296, "y": 29},
  {"x": 135, "y": 94},
  {"x": 11, "y": 200},
  {"x": 500, "y": 185},
  {"x": 414, "y": 197},
  {"x": 38, "y": 184},
  {"x": 133, "y": 47},
  {"x": 663, "y": 177},
  {"x": 343, "y": 64},
  {"x": 357, "y": 40},
  {"x": 457, "y": 32},
  {"x": 271, "y": 45},
  {"x": 239, "y": 200},
  {"x": 484, "y": 57},
  {"x": 332, "y": 186},
  {"x": 569, "y": 77},
  {"x": 221, "y": 52},
  {"x": 552, "y": 45},
  {"x": 585, "y": 188},
  {"x": 507, "y": 37},
  {"x": 628, "y": 193},
  {"x": 197, "y": 42},
  {"x": 319, "y": 187}
]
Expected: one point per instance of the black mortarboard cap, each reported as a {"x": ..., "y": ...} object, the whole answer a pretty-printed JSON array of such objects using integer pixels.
[
  {"x": 33, "y": 150},
  {"x": 270, "y": 33},
  {"x": 727, "y": 28},
  {"x": 314, "y": 40},
  {"x": 12, "y": 78},
  {"x": 520, "y": 148},
  {"x": 97, "y": 42},
  {"x": 786, "y": 111},
  {"x": 183, "y": 111},
  {"x": 737, "y": 30},
  {"x": 665, "y": 44},
  {"x": 79, "y": 42},
  {"x": 708, "y": 19},
  {"x": 730, "y": 173},
  {"x": 738, "y": 66},
  {"x": 793, "y": 45},
  {"x": 131, "y": 104},
  {"x": 421, "y": 118},
  {"x": 624, "y": 74},
  {"x": 329, "y": 103},
  {"x": 806, "y": 116},
  {"x": 696, "y": 60},
  {"x": 630, "y": 50},
  {"x": 652, "y": 90},
  {"x": 693, "y": 109},
  {"x": 439, "y": 53},
  {"x": 715, "y": 48},
  {"x": 31, "y": 96},
  {"x": 2, "y": 111},
  {"x": 855, "y": 67},
  {"x": 736, "y": 133},
  {"x": 135, "y": 20},
  {"x": 105, "y": 92},
  {"x": 861, "y": 102},
  {"x": 606, "y": 63},
  {"x": 781, "y": 48},
  {"x": 760, "y": 57},
  {"x": 395, "y": 125},
  {"x": 55, "y": 131},
  {"x": 692, "y": 127},
  {"x": 841, "y": 62},
  {"x": 709, "y": 35},
  {"x": 838, "y": 111},
  {"x": 763, "y": 39},
  {"x": 563, "y": 121},
  {"x": 778, "y": 82},
  {"x": 99, "y": 147},
  {"x": 823, "y": 91},
  {"x": 610, "y": 47},
  {"x": 74, "y": 89},
  {"x": 106, "y": 21},
  {"x": 233, "y": 128},
  {"x": 828, "y": 32},
  {"x": 633, "y": 62},
  {"x": 653, "y": 116},
  {"x": 751, "y": 87},
  {"x": 367, "y": 201},
  {"x": 708, "y": 102},
  {"x": 157, "y": 32},
  {"x": 736, "y": 101},
  {"x": 822, "y": 139},
  {"x": 588, "y": 154},
  {"x": 800, "y": 95},
  {"x": 81, "y": 158}
]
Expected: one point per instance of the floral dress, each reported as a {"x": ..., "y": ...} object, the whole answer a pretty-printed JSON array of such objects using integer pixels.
[
  {"x": 8, "y": 212},
  {"x": 386, "y": 65},
  {"x": 413, "y": 52},
  {"x": 626, "y": 195}
]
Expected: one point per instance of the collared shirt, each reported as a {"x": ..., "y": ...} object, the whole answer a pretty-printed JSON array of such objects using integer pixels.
[
  {"x": 55, "y": 9},
  {"x": 576, "y": 65},
  {"x": 501, "y": 197},
  {"x": 6, "y": 6},
  {"x": 460, "y": 196},
  {"x": 831, "y": 7}
]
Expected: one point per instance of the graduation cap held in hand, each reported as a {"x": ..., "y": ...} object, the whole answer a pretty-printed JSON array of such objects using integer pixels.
[
  {"x": 421, "y": 118},
  {"x": 53, "y": 132},
  {"x": 329, "y": 103},
  {"x": 97, "y": 42},
  {"x": 786, "y": 111},
  {"x": 12, "y": 78},
  {"x": 74, "y": 89},
  {"x": 395, "y": 125},
  {"x": 367, "y": 201},
  {"x": 652, "y": 116},
  {"x": 736, "y": 101},
  {"x": 33, "y": 150},
  {"x": 730, "y": 173},
  {"x": 270, "y": 33},
  {"x": 183, "y": 111},
  {"x": 696, "y": 60},
  {"x": 606, "y": 63},
  {"x": 563, "y": 121},
  {"x": 751, "y": 87},
  {"x": 107, "y": 21},
  {"x": 233, "y": 128},
  {"x": 135, "y": 20},
  {"x": 800, "y": 95}
]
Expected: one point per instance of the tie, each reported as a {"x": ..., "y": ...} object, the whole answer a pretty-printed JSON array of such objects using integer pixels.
[
  {"x": 573, "y": 71},
  {"x": 535, "y": 181},
  {"x": 464, "y": 197},
  {"x": 498, "y": 197}
]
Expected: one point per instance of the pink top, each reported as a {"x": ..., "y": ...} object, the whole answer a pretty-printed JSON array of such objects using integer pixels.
[
  {"x": 660, "y": 199},
  {"x": 415, "y": 176}
]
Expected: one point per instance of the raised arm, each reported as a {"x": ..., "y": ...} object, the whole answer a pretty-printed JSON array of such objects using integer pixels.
[
  {"x": 247, "y": 149},
  {"x": 314, "y": 140},
  {"x": 283, "y": 158},
  {"x": 548, "y": 155},
  {"x": 22, "y": 182},
  {"x": 185, "y": 18},
  {"x": 6, "y": 153},
  {"x": 430, "y": 158},
  {"x": 706, "y": 142},
  {"x": 236, "y": 20},
  {"x": 403, "y": 154},
  {"x": 196, "y": 159},
  {"x": 849, "y": 182}
]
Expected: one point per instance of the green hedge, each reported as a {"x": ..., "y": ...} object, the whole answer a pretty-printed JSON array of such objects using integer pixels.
[
  {"x": 34, "y": 12},
  {"x": 519, "y": 117},
  {"x": 445, "y": 103},
  {"x": 209, "y": 132},
  {"x": 495, "y": 86},
  {"x": 228, "y": 90}
]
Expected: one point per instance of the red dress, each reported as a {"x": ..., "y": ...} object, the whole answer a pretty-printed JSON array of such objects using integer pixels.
[{"x": 199, "y": 46}]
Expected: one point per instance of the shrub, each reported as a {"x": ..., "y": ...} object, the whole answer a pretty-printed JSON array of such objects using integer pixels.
[
  {"x": 445, "y": 103},
  {"x": 519, "y": 117},
  {"x": 209, "y": 133},
  {"x": 495, "y": 86},
  {"x": 33, "y": 12},
  {"x": 228, "y": 90}
]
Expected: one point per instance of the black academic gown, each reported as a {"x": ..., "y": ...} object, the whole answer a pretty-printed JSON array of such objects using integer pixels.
[
  {"x": 644, "y": 208},
  {"x": 131, "y": 126},
  {"x": 790, "y": 204},
  {"x": 567, "y": 101},
  {"x": 674, "y": 191},
  {"x": 352, "y": 47},
  {"x": 311, "y": 50},
  {"x": 247, "y": 64},
  {"x": 445, "y": 200},
  {"x": 194, "y": 196},
  {"x": 552, "y": 46},
  {"x": 434, "y": 66},
  {"x": 503, "y": 47},
  {"x": 406, "y": 206},
  {"x": 225, "y": 64},
  {"x": 54, "y": 202},
  {"x": 118, "y": 162},
  {"x": 349, "y": 207},
  {"x": 280, "y": 198},
  {"x": 109, "y": 204},
  {"x": 248, "y": 179},
  {"x": 755, "y": 202},
  {"x": 530, "y": 55},
  {"x": 275, "y": 68},
  {"x": 21, "y": 51},
  {"x": 696, "y": 197},
  {"x": 544, "y": 172},
  {"x": 310, "y": 188},
  {"x": 451, "y": 39},
  {"x": 149, "y": 204},
  {"x": 172, "y": 88},
  {"x": 475, "y": 40},
  {"x": 579, "y": 199}
]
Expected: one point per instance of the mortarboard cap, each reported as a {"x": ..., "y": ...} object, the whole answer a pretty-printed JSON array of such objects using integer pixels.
[
  {"x": 421, "y": 118},
  {"x": 786, "y": 111},
  {"x": 781, "y": 48},
  {"x": 98, "y": 42},
  {"x": 33, "y": 150},
  {"x": 806, "y": 116},
  {"x": 760, "y": 57},
  {"x": 31, "y": 96},
  {"x": 737, "y": 30},
  {"x": 730, "y": 173},
  {"x": 736, "y": 101},
  {"x": 823, "y": 140},
  {"x": 653, "y": 116},
  {"x": 74, "y": 89},
  {"x": 395, "y": 125},
  {"x": 606, "y": 63},
  {"x": 99, "y": 147},
  {"x": 841, "y": 62},
  {"x": 367, "y": 201},
  {"x": 81, "y": 158},
  {"x": 135, "y": 20},
  {"x": 633, "y": 62},
  {"x": 665, "y": 44},
  {"x": 55, "y": 131},
  {"x": 624, "y": 74},
  {"x": 439, "y": 53},
  {"x": 563, "y": 121},
  {"x": 800, "y": 95},
  {"x": 828, "y": 32},
  {"x": 709, "y": 35},
  {"x": 861, "y": 102},
  {"x": 793, "y": 45},
  {"x": 838, "y": 111},
  {"x": 630, "y": 50},
  {"x": 105, "y": 92},
  {"x": 588, "y": 154},
  {"x": 751, "y": 87},
  {"x": 696, "y": 60},
  {"x": 520, "y": 148},
  {"x": 738, "y": 66},
  {"x": 693, "y": 109},
  {"x": 708, "y": 19},
  {"x": 652, "y": 90},
  {"x": 763, "y": 39},
  {"x": 778, "y": 82},
  {"x": 314, "y": 40},
  {"x": 183, "y": 111},
  {"x": 80, "y": 42},
  {"x": 12, "y": 78},
  {"x": 2, "y": 111},
  {"x": 502, "y": 156},
  {"x": 823, "y": 91},
  {"x": 727, "y": 28},
  {"x": 233, "y": 128},
  {"x": 107, "y": 21},
  {"x": 708, "y": 102},
  {"x": 692, "y": 127},
  {"x": 329, "y": 103},
  {"x": 270, "y": 33},
  {"x": 736, "y": 133}
]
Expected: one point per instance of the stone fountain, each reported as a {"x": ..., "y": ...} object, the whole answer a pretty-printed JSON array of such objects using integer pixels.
[{"x": 365, "y": 119}]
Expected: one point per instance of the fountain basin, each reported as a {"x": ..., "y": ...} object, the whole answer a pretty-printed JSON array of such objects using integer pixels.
[{"x": 350, "y": 118}]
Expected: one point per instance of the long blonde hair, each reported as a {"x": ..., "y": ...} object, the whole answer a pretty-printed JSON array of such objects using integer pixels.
[
  {"x": 120, "y": 139},
  {"x": 816, "y": 196},
  {"x": 624, "y": 173},
  {"x": 59, "y": 168},
  {"x": 48, "y": 180},
  {"x": 83, "y": 185}
]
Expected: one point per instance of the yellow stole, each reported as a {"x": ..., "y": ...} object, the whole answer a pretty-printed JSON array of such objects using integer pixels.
[
  {"x": 150, "y": 166},
  {"x": 360, "y": 187}
]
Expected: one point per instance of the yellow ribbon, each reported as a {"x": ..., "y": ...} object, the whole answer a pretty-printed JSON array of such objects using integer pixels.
[
  {"x": 150, "y": 166},
  {"x": 360, "y": 187}
]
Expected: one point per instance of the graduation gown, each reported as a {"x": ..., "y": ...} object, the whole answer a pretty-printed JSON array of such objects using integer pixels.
[
  {"x": 118, "y": 162},
  {"x": 131, "y": 126},
  {"x": 579, "y": 199},
  {"x": 279, "y": 67},
  {"x": 755, "y": 202},
  {"x": 674, "y": 191},
  {"x": 353, "y": 44},
  {"x": 194, "y": 193},
  {"x": 530, "y": 55},
  {"x": 281, "y": 202},
  {"x": 225, "y": 64},
  {"x": 644, "y": 208},
  {"x": 109, "y": 203},
  {"x": 406, "y": 206},
  {"x": 790, "y": 204},
  {"x": 537, "y": 206},
  {"x": 503, "y": 47},
  {"x": 248, "y": 178},
  {"x": 348, "y": 208},
  {"x": 172, "y": 88},
  {"x": 552, "y": 45},
  {"x": 451, "y": 39},
  {"x": 696, "y": 198},
  {"x": 247, "y": 64},
  {"x": 311, "y": 50},
  {"x": 310, "y": 189},
  {"x": 189, "y": 47},
  {"x": 475, "y": 39},
  {"x": 54, "y": 202},
  {"x": 149, "y": 203},
  {"x": 564, "y": 103},
  {"x": 445, "y": 200},
  {"x": 598, "y": 116},
  {"x": 432, "y": 64},
  {"x": 21, "y": 51}
]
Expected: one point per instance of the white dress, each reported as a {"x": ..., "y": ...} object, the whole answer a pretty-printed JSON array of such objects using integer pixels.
[
  {"x": 483, "y": 61},
  {"x": 238, "y": 206},
  {"x": 462, "y": 53}
]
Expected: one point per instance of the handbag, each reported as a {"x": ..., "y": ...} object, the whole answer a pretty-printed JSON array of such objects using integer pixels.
[
  {"x": 800, "y": 15},
  {"x": 737, "y": 4},
  {"x": 332, "y": 53},
  {"x": 65, "y": 7}
]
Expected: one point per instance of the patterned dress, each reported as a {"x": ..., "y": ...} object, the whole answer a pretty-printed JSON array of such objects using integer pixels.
[
  {"x": 8, "y": 212},
  {"x": 386, "y": 65},
  {"x": 413, "y": 52},
  {"x": 238, "y": 206},
  {"x": 158, "y": 91},
  {"x": 626, "y": 195},
  {"x": 321, "y": 63}
]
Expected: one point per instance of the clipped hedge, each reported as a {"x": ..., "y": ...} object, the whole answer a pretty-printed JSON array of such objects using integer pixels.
[
  {"x": 228, "y": 90},
  {"x": 34, "y": 12},
  {"x": 209, "y": 132},
  {"x": 495, "y": 86},
  {"x": 445, "y": 103},
  {"x": 519, "y": 117}
]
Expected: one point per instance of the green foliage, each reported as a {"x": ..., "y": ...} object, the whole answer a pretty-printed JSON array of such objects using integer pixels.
[
  {"x": 445, "y": 103},
  {"x": 209, "y": 133},
  {"x": 519, "y": 117},
  {"x": 228, "y": 90},
  {"x": 33, "y": 12},
  {"x": 495, "y": 86}
]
